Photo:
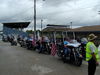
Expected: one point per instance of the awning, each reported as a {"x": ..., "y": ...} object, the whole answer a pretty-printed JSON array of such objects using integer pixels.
[{"x": 17, "y": 24}]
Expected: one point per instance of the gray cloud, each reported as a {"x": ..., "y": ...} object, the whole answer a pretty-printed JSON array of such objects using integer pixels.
[
  {"x": 80, "y": 12},
  {"x": 55, "y": 2}
]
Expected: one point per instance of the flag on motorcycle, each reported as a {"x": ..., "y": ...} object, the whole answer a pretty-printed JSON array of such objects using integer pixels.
[
  {"x": 53, "y": 49},
  {"x": 33, "y": 42}
]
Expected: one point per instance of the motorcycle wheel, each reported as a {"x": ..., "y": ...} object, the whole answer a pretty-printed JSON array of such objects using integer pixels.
[
  {"x": 58, "y": 53},
  {"x": 78, "y": 62}
]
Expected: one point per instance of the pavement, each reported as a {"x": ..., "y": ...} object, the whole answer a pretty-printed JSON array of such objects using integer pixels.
[{"x": 15, "y": 60}]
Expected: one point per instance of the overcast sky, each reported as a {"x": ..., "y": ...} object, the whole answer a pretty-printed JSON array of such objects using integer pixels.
[{"x": 80, "y": 12}]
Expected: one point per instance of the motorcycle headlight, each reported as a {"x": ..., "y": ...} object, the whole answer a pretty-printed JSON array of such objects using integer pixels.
[
  {"x": 80, "y": 56},
  {"x": 61, "y": 50}
]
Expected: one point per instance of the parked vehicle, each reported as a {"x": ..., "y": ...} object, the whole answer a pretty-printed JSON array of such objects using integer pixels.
[
  {"x": 4, "y": 38},
  {"x": 29, "y": 45},
  {"x": 45, "y": 48},
  {"x": 13, "y": 43},
  {"x": 74, "y": 56},
  {"x": 60, "y": 50}
]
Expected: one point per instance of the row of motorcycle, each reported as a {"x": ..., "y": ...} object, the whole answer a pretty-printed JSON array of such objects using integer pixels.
[
  {"x": 41, "y": 47},
  {"x": 74, "y": 54},
  {"x": 9, "y": 38}
]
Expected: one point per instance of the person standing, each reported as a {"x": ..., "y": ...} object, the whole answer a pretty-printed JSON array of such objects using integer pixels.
[
  {"x": 66, "y": 50},
  {"x": 92, "y": 54}
]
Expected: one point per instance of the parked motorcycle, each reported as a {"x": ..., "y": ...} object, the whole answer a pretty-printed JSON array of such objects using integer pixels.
[
  {"x": 44, "y": 48},
  {"x": 4, "y": 38},
  {"x": 60, "y": 50},
  {"x": 29, "y": 45},
  {"x": 13, "y": 43},
  {"x": 83, "y": 50},
  {"x": 72, "y": 56},
  {"x": 12, "y": 40}
]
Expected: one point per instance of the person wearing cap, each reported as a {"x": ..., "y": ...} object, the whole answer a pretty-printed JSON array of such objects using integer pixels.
[
  {"x": 92, "y": 54},
  {"x": 66, "y": 50}
]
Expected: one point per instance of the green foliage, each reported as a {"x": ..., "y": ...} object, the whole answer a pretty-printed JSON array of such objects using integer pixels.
[
  {"x": 58, "y": 36},
  {"x": 29, "y": 31}
]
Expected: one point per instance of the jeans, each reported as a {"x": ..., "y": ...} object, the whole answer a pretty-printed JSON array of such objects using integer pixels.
[{"x": 66, "y": 50}]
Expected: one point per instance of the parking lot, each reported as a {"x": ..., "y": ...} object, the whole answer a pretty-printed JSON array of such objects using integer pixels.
[{"x": 15, "y": 60}]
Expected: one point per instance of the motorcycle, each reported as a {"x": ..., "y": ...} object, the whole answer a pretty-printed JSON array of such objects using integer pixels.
[
  {"x": 60, "y": 50},
  {"x": 4, "y": 38},
  {"x": 45, "y": 48},
  {"x": 29, "y": 45},
  {"x": 74, "y": 55},
  {"x": 83, "y": 50},
  {"x": 13, "y": 42},
  {"x": 20, "y": 40}
]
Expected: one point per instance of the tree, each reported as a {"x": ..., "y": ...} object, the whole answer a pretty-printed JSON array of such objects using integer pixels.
[{"x": 29, "y": 31}]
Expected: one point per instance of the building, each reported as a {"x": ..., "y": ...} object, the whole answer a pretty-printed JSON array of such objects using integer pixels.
[
  {"x": 86, "y": 30},
  {"x": 56, "y": 31},
  {"x": 15, "y": 28},
  {"x": 74, "y": 33}
]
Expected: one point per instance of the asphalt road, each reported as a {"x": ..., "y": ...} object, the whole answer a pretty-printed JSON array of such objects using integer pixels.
[{"x": 15, "y": 60}]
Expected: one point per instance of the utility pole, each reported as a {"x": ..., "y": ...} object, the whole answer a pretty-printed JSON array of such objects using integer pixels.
[
  {"x": 41, "y": 24},
  {"x": 72, "y": 31},
  {"x": 66, "y": 31},
  {"x": 35, "y": 19},
  {"x": 71, "y": 24}
]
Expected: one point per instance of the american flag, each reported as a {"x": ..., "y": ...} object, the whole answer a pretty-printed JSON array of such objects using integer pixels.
[
  {"x": 53, "y": 49},
  {"x": 33, "y": 42}
]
